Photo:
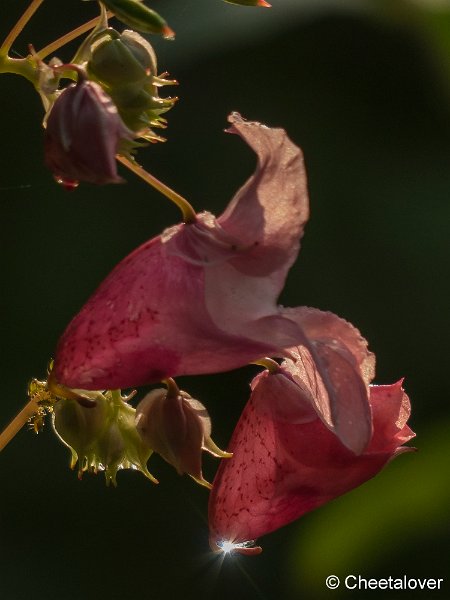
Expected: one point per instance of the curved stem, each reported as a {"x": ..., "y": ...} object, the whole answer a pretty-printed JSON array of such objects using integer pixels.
[
  {"x": 172, "y": 388},
  {"x": 16, "y": 30},
  {"x": 188, "y": 212},
  {"x": 268, "y": 363},
  {"x": 68, "y": 37},
  {"x": 18, "y": 422}
]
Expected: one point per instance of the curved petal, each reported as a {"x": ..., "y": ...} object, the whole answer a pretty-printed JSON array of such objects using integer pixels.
[
  {"x": 335, "y": 360},
  {"x": 269, "y": 212},
  {"x": 391, "y": 410}
]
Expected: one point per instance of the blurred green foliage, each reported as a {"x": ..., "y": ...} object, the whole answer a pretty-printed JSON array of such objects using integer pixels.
[{"x": 363, "y": 87}]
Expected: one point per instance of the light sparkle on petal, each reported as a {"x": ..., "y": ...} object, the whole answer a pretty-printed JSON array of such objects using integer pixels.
[
  {"x": 246, "y": 548},
  {"x": 226, "y": 546}
]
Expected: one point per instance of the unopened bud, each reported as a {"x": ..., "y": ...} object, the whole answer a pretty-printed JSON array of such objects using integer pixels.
[
  {"x": 102, "y": 437},
  {"x": 262, "y": 3},
  {"x": 84, "y": 132},
  {"x": 121, "y": 60},
  {"x": 178, "y": 428},
  {"x": 125, "y": 65},
  {"x": 138, "y": 16}
]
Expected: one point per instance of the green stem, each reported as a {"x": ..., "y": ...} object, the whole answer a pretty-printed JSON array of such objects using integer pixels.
[
  {"x": 20, "y": 66},
  {"x": 18, "y": 422},
  {"x": 16, "y": 30},
  {"x": 188, "y": 212},
  {"x": 68, "y": 37}
]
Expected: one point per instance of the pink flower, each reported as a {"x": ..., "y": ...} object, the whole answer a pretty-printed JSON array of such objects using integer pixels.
[
  {"x": 83, "y": 135},
  {"x": 201, "y": 297},
  {"x": 287, "y": 457}
]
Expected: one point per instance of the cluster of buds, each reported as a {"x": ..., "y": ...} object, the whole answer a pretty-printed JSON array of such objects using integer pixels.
[
  {"x": 125, "y": 66},
  {"x": 114, "y": 102},
  {"x": 105, "y": 433}
]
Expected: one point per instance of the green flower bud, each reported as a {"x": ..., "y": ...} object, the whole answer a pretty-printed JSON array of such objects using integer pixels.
[
  {"x": 250, "y": 3},
  {"x": 138, "y": 16},
  {"x": 102, "y": 437},
  {"x": 141, "y": 49},
  {"x": 78, "y": 427},
  {"x": 125, "y": 66},
  {"x": 118, "y": 60}
]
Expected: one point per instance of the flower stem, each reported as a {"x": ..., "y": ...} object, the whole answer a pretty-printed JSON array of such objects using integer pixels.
[
  {"x": 172, "y": 388},
  {"x": 188, "y": 212},
  {"x": 268, "y": 363},
  {"x": 18, "y": 422},
  {"x": 68, "y": 37},
  {"x": 16, "y": 30}
]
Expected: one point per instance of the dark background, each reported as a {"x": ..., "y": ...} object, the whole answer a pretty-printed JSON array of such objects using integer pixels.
[{"x": 363, "y": 88}]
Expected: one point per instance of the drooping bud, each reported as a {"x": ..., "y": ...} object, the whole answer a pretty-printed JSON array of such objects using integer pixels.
[
  {"x": 135, "y": 14},
  {"x": 125, "y": 66},
  {"x": 84, "y": 132},
  {"x": 178, "y": 428},
  {"x": 102, "y": 437}
]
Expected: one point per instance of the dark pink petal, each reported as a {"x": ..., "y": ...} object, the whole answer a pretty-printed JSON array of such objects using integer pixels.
[
  {"x": 334, "y": 359},
  {"x": 184, "y": 303},
  {"x": 280, "y": 470},
  {"x": 148, "y": 321}
]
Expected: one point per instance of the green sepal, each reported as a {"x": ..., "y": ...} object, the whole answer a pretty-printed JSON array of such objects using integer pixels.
[{"x": 102, "y": 437}]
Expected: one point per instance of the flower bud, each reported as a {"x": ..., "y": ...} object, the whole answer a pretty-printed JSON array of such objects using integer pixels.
[
  {"x": 262, "y": 3},
  {"x": 121, "y": 60},
  {"x": 178, "y": 428},
  {"x": 83, "y": 135},
  {"x": 102, "y": 437},
  {"x": 135, "y": 14},
  {"x": 125, "y": 66}
]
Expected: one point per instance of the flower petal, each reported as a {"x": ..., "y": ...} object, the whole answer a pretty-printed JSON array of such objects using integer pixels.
[
  {"x": 391, "y": 410},
  {"x": 336, "y": 362},
  {"x": 269, "y": 212}
]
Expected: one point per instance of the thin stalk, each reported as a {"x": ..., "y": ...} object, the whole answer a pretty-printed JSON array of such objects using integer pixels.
[
  {"x": 268, "y": 363},
  {"x": 18, "y": 422},
  {"x": 172, "y": 388},
  {"x": 188, "y": 212},
  {"x": 71, "y": 35},
  {"x": 16, "y": 30}
]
